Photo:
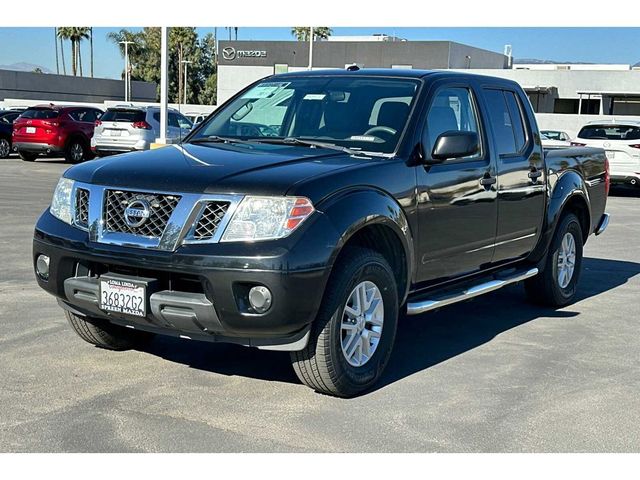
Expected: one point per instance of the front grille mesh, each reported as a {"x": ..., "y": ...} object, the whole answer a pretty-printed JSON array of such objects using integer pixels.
[
  {"x": 162, "y": 206},
  {"x": 82, "y": 207},
  {"x": 211, "y": 216}
]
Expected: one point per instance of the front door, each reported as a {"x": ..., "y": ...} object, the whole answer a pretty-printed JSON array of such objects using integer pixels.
[{"x": 457, "y": 207}]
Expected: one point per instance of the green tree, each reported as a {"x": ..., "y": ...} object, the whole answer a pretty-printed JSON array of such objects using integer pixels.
[
  {"x": 319, "y": 33},
  {"x": 184, "y": 44},
  {"x": 75, "y": 35}
]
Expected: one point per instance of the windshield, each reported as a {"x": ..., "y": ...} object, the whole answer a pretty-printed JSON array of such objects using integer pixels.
[
  {"x": 361, "y": 113},
  {"x": 610, "y": 132}
]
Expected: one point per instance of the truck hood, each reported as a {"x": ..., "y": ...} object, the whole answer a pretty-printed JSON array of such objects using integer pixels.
[{"x": 261, "y": 169}]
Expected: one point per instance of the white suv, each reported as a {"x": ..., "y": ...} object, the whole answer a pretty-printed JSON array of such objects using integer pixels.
[
  {"x": 125, "y": 129},
  {"x": 621, "y": 142}
]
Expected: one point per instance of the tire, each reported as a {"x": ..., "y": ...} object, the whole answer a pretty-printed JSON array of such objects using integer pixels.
[
  {"x": 5, "y": 148},
  {"x": 106, "y": 335},
  {"x": 322, "y": 365},
  {"x": 548, "y": 288},
  {"x": 27, "y": 156},
  {"x": 75, "y": 151}
]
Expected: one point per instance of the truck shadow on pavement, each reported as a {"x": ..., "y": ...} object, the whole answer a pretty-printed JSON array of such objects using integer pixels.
[{"x": 422, "y": 341}]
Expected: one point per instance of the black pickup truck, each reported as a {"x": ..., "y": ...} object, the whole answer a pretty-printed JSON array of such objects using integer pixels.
[{"x": 312, "y": 209}]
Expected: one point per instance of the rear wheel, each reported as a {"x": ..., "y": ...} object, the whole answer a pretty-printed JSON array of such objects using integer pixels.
[
  {"x": 27, "y": 156},
  {"x": 106, "y": 335},
  {"x": 556, "y": 285},
  {"x": 353, "y": 334},
  {"x": 75, "y": 152},
  {"x": 5, "y": 148}
]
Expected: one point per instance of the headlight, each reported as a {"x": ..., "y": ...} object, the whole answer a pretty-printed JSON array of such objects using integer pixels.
[
  {"x": 61, "y": 204},
  {"x": 267, "y": 218}
]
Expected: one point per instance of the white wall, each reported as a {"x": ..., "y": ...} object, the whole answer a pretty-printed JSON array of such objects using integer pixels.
[
  {"x": 233, "y": 78},
  {"x": 571, "y": 123},
  {"x": 569, "y": 82}
]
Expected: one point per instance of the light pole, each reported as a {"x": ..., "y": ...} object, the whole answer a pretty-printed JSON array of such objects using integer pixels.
[
  {"x": 310, "y": 48},
  {"x": 126, "y": 44},
  {"x": 164, "y": 85},
  {"x": 186, "y": 64}
]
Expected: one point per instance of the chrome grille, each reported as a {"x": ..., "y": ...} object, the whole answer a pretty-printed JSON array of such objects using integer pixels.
[
  {"x": 82, "y": 207},
  {"x": 161, "y": 208},
  {"x": 211, "y": 216}
]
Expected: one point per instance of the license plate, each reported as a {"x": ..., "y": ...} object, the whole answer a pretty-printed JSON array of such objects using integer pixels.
[
  {"x": 610, "y": 155},
  {"x": 113, "y": 133},
  {"x": 123, "y": 296},
  {"x": 31, "y": 130}
]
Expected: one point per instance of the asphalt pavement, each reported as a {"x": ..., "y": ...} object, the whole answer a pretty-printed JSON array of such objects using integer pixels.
[{"x": 492, "y": 375}]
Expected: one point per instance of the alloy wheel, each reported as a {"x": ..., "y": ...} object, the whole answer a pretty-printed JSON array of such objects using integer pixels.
[
  {"x": 362, "y": 321},
  {"x": 566, "y": 260}
]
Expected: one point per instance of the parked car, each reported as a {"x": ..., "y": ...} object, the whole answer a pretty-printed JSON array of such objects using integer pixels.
[
  {"x": 381, "y": 191},
  {"x": 47, "y": 129},
  {"x": 126, "y": 129},
  {"x": 7, "y": 117},
  {"x": 549, "y": 144},
  {"x": 621, "y": 141},
  {"x": 196, "y": 118},
  {"x": 556, "y": 135}
]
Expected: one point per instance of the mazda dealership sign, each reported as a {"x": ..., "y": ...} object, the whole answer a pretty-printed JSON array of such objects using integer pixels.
[{"x": 230, "y": 53}]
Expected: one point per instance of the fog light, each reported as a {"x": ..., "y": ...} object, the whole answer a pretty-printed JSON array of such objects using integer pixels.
[
  {"x": 260, "y": 299},
  {"x": 42, "y": 266}
]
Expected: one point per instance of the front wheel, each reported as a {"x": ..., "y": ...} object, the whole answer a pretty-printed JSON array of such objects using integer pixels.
[
  {"x": 103, "y": 334},
  {"x": 5, "y": 148},
  {"x": 75, "y": 152},
  {"x": 353, "y": 333},
  {"x": 556, "y": 285}
]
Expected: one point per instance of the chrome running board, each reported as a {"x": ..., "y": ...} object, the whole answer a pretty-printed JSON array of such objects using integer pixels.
[{"x": 421, "y": 306}]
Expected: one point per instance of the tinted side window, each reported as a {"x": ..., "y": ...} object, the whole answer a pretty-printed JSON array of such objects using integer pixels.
[
  {"x": 173, "y": 120},
  {"x": 516, "y": 120},
  {"x": 451, "y": 109},
  {"x": 78, "y": 115},
  {"x": 501, "y": 121}
]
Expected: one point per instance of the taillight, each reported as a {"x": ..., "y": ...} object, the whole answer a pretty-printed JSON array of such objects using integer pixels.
[
  {"x": 637, "y": 145},
  {"x": 578, "y": 144},
  {"x": 607, "y": 177},
  {"x": 144, "y": 125},
  {"x": 98, "y": 123},
  {"x": 50, "y": 124}
]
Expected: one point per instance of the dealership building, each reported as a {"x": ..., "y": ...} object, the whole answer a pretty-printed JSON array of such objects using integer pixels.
[
  {"x": 243, "y": 62},
  {"x": 581, "y": 89}
]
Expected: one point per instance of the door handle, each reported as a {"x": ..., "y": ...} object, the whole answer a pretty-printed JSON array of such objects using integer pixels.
[
  {"x": 487, "y": 180},
  {"x": 534, "y": 174}
]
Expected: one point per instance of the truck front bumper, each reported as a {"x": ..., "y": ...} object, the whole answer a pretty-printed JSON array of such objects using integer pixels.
[{"x": 193, "y": 292}]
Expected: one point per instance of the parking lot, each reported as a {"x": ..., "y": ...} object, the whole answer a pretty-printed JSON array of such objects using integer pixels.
[{"x": 494, "y": 374}]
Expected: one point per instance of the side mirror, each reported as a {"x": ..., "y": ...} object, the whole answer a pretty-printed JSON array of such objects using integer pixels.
[{"x": 455, "y": 144}]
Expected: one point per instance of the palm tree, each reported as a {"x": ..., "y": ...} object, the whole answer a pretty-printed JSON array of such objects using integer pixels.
[
  {"x": 63, "y": 35},
  {"x": 319, "y": 33},
  {"x": 55, "y": 42},
  {"x": 91, "y": 45},
  {"x": 75, "y": 35}
]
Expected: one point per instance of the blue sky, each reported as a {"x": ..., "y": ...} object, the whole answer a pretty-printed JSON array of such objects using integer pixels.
[{"x": 598, "y": 45}]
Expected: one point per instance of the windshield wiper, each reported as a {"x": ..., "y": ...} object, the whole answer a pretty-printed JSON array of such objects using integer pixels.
[
  {"x": 217, "y": 139},
  {"x": 306, "y": 143}
]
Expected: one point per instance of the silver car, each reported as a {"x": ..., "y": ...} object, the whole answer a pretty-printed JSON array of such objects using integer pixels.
[{"x": 125, "y": 129}]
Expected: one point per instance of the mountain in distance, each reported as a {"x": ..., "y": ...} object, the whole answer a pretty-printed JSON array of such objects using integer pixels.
[{"x": 24, "y": 67}]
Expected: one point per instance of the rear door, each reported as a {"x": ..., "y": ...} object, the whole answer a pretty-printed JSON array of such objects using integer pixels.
[
  {"x": 117, "y": 126},
  {"x": 521, "y": 182}
]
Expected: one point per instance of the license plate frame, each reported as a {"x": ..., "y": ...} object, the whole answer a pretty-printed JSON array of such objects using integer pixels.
[
  {"x": 30, "y": 130},
  {"x": 124, "y": 296},
  {"x": 611, "y": 155}
]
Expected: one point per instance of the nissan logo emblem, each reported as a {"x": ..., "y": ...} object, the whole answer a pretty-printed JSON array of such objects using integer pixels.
[
  {"x": 228, "y": 53},
  {"x": 137, "y": 212}
]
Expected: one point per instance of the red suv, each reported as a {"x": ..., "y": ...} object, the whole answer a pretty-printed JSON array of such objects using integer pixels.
[{"x": 55, "y": 129}]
